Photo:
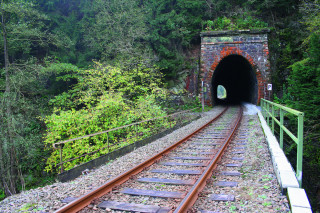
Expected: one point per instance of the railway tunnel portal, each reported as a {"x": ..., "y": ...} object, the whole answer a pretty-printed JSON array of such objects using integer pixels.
[{"x": 238, "y": 62}]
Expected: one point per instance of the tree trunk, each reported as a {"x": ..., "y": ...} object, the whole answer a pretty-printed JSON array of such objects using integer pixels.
[{"x": 10, "y": 169}]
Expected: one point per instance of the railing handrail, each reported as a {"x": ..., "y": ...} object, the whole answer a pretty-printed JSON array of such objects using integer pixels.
[
  {"x": 297, "y": 139},
  {"x": 117, "y": 128},
  {"x": 293, "y": 111}
]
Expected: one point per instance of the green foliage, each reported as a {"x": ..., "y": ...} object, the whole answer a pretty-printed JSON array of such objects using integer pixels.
[
  {"x": 304, "y": 87},
  {"x": 105, "y": 97},
  {"x": 303, "y": 94},
  {"x": 275, "y": 10},
  {"x": 222, "y": 23},
  {"x": 2, "y": 195},
  {"x": 26, "y": 30},
  {"x": 69, "y": 20},
  {"x": 131, "y": 79},
  {"x": 239, "y": 23},
  {"x": 162, "y": 31},
  {"x": 27, "y": 206},
  {"x": 173, "y": 26},
  {"x": 304, "y": 84},
  {"x": 25, "y": 36},
  {"x": 118, "y": 29},
  {"x": 27, "y": 138},
  {"x": 312, "y": 19},
  {"x": 59, "y": 77},
  {"x": 62, "y": 125}
]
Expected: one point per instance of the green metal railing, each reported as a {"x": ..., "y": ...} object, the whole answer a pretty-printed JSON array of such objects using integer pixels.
[
  {"x": 269, "y": 111},
  {"x": 175, "y": 119}
]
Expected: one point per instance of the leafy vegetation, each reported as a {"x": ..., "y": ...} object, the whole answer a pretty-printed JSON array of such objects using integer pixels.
[
  {"x": 244, "y": 22},
  {"x": 301, "y": 91},
  {"x": 303, "y": 82},
  {"x": 67, "y": 64},
  {"x": 104, "y": 98}
]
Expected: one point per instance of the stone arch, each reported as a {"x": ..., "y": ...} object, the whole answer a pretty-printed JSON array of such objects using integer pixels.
[
  {"x": 252, "y": 46},
  {"x": 238, "y": 76},
  {"x": 234, "y": 51}
]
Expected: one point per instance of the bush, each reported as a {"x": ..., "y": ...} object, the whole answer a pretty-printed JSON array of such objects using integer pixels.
[
  {"x": 237, "y": 23},
  {"x": 105, "y": 98}
]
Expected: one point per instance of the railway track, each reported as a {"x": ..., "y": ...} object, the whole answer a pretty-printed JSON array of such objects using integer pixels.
[{"x": 171, "y": 180}]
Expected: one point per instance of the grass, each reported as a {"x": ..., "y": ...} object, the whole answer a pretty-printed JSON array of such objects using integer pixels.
[
  {"x": 266, "y": 187},
  {"x": 206, "y": 109},
  {"x": 2, "y": 195},
  {"x": 233, "y": 208},
  {"x": 266, "y": 204},
  {"x": 27, "y": 206},
  {"x": 252, "y": 122},
  {"x": 109, "y": 162},
  {"x": 262, "y": 196},
  {"x": 219, "y": 128}
]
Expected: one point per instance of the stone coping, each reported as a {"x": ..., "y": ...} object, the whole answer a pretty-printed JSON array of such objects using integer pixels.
[
  {"x": 297, "y": 197},
  {"x": 234, "y": 32}
]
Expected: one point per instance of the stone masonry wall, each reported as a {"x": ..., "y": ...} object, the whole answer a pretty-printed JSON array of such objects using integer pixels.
[{"x": 251, "y": 44}]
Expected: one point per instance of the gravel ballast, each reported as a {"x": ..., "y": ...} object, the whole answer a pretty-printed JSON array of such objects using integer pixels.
[{"x": 257, "y": 189}]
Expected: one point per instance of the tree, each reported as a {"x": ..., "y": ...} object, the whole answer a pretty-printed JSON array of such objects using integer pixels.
[
  {"x": 69, "y": 20},
  {"x": 23, "y": 33},
  {"x": 105, "y": 97},
  {"x": 173, "y": 27},
  {"x": 311, "y": 18},
  {"x": 304, "y": 95},
  {"x": 304, "y": 89},
  {"x": 118, "y": 29}
]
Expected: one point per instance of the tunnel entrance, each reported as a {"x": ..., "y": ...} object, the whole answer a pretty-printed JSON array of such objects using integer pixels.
[
  {"x": 238, "y": 78},
  {"x": 238, "y": 60}
]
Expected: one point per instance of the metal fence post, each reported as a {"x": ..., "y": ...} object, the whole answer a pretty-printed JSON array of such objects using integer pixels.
[
  {"x": 297, "y": 139},
  {"x": 202, "y": 98},
  {"x": 136, "y": 131},
  {"x": 272, "y": 120},
  {"x": 265, "y": 109},
  {"x": 268, "y": 116},
  {"x": 281, "y": 129},
  {"x": 300, "y": 149},
  {"x": 61, "y": 164},
  {"x": 108, "y": 142}
]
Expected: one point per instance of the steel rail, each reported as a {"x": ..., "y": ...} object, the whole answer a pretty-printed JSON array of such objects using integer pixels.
[
  {"x": 192, "y": 195},
  {"x": 86, "y": 199}
]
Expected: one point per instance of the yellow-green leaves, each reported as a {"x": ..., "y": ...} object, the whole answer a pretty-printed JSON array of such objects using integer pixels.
[{"x": 104, "y": 98}]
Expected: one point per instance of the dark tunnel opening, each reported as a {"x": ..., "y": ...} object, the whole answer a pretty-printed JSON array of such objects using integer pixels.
[{"x": 238, "y": 78}]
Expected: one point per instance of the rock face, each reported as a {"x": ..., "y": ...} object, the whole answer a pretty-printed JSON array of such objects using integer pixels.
[{"x": 238, "y": 60}]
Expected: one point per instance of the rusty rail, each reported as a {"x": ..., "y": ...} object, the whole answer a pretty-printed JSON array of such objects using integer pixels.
[
  {"x": 192, "y": 195},
  {"x": 86, "y": 199}
]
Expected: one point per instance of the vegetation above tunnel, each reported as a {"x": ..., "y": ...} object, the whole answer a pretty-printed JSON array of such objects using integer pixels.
[{"x": 49, "y": 45}]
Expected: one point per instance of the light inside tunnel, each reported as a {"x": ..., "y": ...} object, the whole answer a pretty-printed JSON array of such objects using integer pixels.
[
  {"x": 238, "y": 78},
  {"x": 221, "y": 92}
]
